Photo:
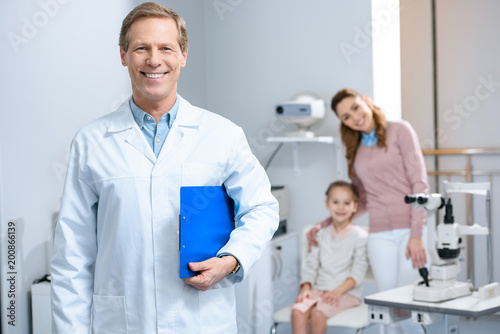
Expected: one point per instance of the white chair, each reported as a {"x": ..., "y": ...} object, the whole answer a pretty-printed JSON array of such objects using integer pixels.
[{"x": 356, "y": 317}]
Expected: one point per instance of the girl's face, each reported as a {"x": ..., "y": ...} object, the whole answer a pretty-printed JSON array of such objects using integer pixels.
[
  {"x": 355, "y": 113},
  {"x": 341, "y": 204}
]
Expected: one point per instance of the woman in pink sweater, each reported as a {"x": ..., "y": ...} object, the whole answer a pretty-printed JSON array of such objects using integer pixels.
[{"x": 385, "y": 162}]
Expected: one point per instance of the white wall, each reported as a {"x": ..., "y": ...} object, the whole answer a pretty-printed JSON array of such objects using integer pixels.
[
  {"x": 262, "y": 52},
  {"x": 64, "y": 72},
  {"x": 386, "y": 57}
]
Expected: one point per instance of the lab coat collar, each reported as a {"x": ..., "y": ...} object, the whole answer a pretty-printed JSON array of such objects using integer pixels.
[
  {"x": 188, "y": 115},
  {"x": 123, "y": 118}
]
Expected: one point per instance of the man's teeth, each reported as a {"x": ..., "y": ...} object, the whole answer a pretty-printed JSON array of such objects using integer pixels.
[{"x": 154, "y": 75}]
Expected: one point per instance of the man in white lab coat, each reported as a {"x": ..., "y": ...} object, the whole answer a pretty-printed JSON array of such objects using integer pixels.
[{"x": 115, "y": 265}]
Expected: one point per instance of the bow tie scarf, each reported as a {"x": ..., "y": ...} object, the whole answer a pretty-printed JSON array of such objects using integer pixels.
[{"x": 369, "y": 139}]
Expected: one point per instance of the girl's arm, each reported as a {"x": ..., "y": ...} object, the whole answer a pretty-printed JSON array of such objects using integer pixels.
[
  {"x": 310, "y": 266},
  {"x": 309, "y": 273},
  {"x": 305, "y": 292},
  {"x": 359, "y": 259}
]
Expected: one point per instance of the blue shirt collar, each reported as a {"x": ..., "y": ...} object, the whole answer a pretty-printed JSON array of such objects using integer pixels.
[
  {"x": 140, "y": 116},
  {"x": 370, "y": 139}
]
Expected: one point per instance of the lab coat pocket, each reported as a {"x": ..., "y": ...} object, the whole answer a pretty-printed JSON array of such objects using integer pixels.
[
  {"x": 201, "y": 175},
  {"x": 218, "y": 311},
  {"x": 109, "y": 315}
]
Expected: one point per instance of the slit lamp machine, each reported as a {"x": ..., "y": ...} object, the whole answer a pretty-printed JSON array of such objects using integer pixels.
[{"x": 444, "y": 244}]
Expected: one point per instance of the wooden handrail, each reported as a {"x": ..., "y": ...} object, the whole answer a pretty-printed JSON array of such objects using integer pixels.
[
  {"x": 465, "y": 151},
  {"x": 468, "y": 152}
]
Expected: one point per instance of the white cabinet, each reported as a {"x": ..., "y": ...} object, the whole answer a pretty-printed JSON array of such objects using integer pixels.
[
  {"x": 41, "y": 308},
  {"x": 271, "y": 285},
  {"x": 285, "y": 270}
]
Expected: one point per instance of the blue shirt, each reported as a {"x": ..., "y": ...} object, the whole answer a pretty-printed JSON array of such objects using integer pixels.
[{"x": 155, "y": 133}]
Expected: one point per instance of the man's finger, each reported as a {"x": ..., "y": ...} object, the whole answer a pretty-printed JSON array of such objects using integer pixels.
[{"x": 198, "y": 266}]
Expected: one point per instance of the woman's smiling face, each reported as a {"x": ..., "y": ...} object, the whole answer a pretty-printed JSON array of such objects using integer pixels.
[{"x": 355, "y": 113}]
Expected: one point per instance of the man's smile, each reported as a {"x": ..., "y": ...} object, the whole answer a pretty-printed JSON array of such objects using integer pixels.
[{"x": 154, "y": 75}]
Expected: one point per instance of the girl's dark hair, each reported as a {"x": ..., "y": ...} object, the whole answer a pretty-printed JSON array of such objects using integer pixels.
[{"x": 344, "y": 184}]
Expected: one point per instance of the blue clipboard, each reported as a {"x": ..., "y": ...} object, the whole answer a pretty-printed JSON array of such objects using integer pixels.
[{"x": 205, "y": 224}]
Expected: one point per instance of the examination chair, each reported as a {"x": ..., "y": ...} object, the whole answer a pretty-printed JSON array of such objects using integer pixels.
[{"x": 356, "y": 317}]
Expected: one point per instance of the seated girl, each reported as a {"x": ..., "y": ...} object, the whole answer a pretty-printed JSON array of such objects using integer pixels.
[{"x": 332, "y": 272}]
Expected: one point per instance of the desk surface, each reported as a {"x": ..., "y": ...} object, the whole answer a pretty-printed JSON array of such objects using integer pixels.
[{"x": 469, "y": 306}]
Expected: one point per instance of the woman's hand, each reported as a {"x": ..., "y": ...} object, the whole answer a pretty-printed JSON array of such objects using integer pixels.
[
  {"x": 416, "y": 250},
  {"x": 311, "y": 237}
]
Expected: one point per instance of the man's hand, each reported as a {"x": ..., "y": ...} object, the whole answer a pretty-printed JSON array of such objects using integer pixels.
[{"x": 212, "y": 271}]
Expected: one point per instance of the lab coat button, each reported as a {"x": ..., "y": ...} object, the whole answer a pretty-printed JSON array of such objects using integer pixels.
[{"x": 157, "y": 140}]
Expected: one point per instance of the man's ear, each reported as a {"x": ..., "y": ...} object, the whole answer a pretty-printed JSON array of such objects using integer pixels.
[
  {"x": 123, "y": 56},
  {"x": 184, "y": 58}
]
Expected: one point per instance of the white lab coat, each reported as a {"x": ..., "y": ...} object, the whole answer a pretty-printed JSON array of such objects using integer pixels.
[{"x": 115, "y": 260}]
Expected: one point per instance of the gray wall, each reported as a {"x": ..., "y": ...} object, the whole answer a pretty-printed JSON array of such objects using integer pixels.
[
  {"x": 262, "y": 52},
  {"x": 193, "y": 79}
]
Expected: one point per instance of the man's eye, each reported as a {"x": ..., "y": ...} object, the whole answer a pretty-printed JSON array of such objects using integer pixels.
[
  {"x": 167, "y": 49},
  {"x": 141, "y": 48}
]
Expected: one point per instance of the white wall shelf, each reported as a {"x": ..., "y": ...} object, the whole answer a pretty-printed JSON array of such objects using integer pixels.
[
  {"x": 323, "y": 139},
  {"x": 295, "y": 141}
]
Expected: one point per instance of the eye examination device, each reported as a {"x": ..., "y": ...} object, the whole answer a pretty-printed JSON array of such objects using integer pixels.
[
  {"x": 444, "y": 243},
  {"x": 304, "y": 110}
]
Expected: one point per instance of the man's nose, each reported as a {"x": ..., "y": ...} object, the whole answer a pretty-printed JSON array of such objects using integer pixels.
[{"x": 153, "y": 59}]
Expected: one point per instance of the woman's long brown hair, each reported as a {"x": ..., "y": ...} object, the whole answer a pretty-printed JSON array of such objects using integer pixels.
[{"x": 352, "y": 138}]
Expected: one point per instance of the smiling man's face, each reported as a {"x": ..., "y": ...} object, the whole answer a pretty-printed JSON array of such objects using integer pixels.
[{"x": 154, "y": 59}]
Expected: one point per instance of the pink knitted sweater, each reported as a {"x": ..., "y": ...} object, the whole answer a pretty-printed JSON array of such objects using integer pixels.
[{"x": 385, "y": 177}]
